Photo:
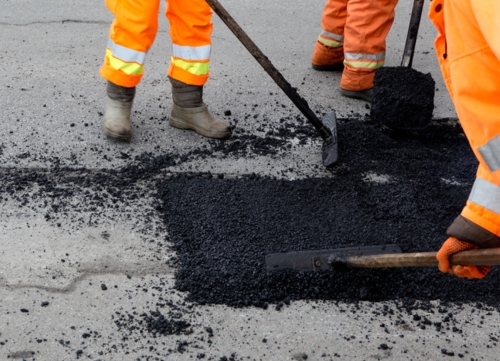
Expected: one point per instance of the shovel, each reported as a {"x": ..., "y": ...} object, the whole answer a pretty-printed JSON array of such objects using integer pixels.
[
  {"x": 327, "y": 127},
  {"x": 388, "y": 256}
]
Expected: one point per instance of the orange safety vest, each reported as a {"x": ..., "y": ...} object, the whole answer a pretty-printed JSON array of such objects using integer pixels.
[
  {"x": 468, "y": 49},
  {"x": 134, "y": 30}
]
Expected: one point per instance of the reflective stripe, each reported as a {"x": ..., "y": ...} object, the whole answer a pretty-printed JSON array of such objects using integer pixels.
[
  {"x": 191, "y": 52},
  {"x": 365, "y": 64},
  {"x": 486, "y": 194},
  {"x": 126, "y": 54},
  {"x": 127, "y": 68},
  {"x": 332, "y": 35},
  {"x": 491, "y": 153},
  {"x": 354, "y": 56},
  {"x": 331, "y": 43},
  {"x": 193, "y": 68}
]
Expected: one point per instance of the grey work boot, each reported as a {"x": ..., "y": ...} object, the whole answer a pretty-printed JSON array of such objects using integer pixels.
[
  {"x": 361, "y": 94},
  {"x": 189, "y": 112},
  {"x": 117, "y": 123}
]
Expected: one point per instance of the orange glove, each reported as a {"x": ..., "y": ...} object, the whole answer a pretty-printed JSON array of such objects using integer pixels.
[{"x": 452, "y": 246}]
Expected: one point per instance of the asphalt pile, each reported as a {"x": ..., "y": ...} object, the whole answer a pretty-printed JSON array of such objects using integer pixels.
[
  {"x": 403, "y": 98},
  {"x": 389, "y": 188}
]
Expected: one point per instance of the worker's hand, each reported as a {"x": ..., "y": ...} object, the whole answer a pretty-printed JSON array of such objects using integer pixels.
[{"x": 452, "y": 246}]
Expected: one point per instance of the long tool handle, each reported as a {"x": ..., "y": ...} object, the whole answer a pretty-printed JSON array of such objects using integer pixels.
[
  {"x": 411, "y": 38},
  {"x": 299, "y": 102},
  {"x": 479, "y": 257}
]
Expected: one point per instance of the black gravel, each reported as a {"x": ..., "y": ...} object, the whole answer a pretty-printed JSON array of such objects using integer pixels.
[
  {"x": 403, "y": 98},
  {"x": 223, "y": 228},
  {"x": 157, "y": 324}
]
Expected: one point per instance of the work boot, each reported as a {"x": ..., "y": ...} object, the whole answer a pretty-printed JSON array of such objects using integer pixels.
[
  {"x": 326, "y": 58},
  {"x": 189, "y": 112},
  {"x": 357, "y": 84},
  {"x": 360, "y": 94},
  {"x": 119, "y": 101}
]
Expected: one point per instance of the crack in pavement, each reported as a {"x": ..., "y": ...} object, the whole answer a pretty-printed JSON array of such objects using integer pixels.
[
  {"x": 101, "y": 22},
  {"x": 130, "y": 269}
]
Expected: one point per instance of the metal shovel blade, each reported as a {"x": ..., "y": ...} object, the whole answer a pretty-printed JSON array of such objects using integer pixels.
[
  {"x": 322, "y": 259},
  {"x": 330, "y": 151}
]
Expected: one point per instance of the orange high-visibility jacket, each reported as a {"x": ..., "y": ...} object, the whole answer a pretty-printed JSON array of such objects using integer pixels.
[
  {"x": 134, "y": 30},
  {"x": 468, "y": 49},
  {"x": 360, "y": 27}
]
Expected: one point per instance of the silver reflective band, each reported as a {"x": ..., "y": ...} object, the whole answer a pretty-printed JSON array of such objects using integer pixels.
[
  {"x": 486, "y": 194},
  {"x": 491, "y": 153},
  {"x": 126, "y": 54},
  {"x": 191, "y": 52},
  {"x": 354, "y": 56},
  {"x": 332, "y": 35}
]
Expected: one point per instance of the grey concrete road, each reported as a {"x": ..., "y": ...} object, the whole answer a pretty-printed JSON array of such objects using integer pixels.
[{"x": 69, "y": 287}]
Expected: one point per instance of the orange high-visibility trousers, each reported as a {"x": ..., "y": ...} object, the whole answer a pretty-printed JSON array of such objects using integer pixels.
[
  {"x": 134, "y": 30},
  {"x": 360, "y": 27},
  {"x": 468, "y": 50}
]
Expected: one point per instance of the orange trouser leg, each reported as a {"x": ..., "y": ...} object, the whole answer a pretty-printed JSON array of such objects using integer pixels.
[
  {"x": 470, "y": 61},
  {"x": 131, "y": 35},
  {"x": 367, "y": 25},
  {"x": 333, "y": 23},
  {"x": 190, "y": 30},
  {"x": 329, "y": 49}
]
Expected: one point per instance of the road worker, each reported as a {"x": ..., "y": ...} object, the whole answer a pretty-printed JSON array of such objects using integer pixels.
[
  {"x": 353, "y": 38},
  {"x": 468, "y": 50},
  {"x": 131, "y": 35}
]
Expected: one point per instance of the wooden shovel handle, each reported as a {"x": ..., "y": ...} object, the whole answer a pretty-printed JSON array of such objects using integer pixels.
[
  {"x": 478, "y": 257},
  {"x": 411, "y": 37}
]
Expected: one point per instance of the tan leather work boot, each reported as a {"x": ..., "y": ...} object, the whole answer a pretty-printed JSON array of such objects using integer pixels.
[
  {"x": 200, "y": 120},
  {"x": 189, "y": 112},
  {"x": 117, "y": 123}
]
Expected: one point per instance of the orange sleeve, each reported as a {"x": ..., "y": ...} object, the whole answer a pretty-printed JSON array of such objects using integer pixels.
[{"x": 487, "y": 13}]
